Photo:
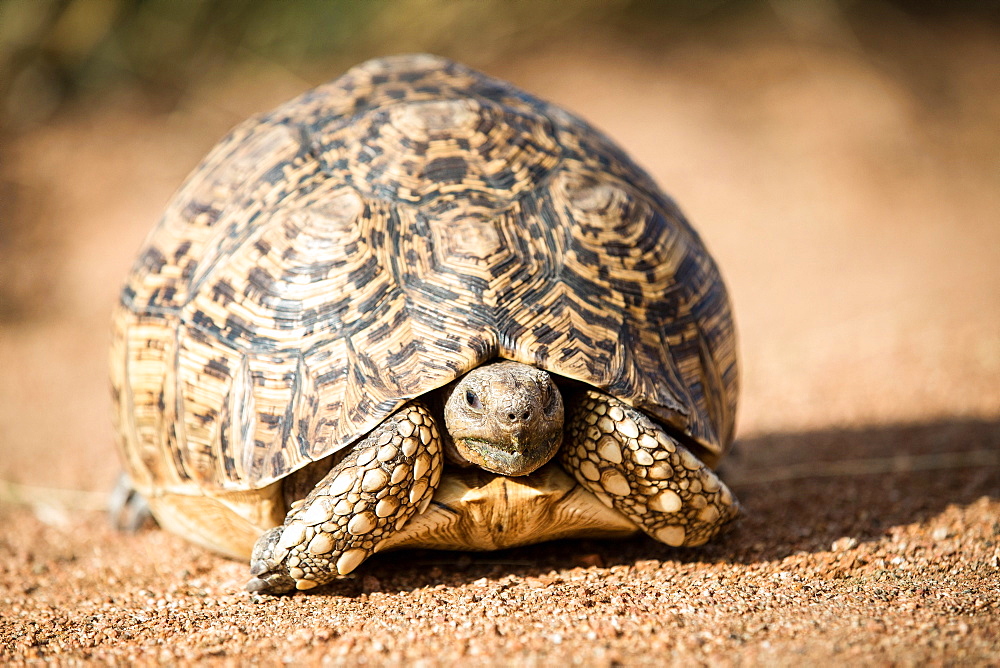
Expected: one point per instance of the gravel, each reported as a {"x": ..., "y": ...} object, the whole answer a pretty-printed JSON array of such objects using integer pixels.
[{"x": 879, "y": 567}]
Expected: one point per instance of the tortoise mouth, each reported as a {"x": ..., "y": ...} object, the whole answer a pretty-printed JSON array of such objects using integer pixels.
[{"x": 512, "y": 458}]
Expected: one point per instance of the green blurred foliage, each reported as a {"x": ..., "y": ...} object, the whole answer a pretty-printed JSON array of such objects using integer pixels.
[
  {"x": 56, "y": 51},
  {"x": 52, "y": 51}
]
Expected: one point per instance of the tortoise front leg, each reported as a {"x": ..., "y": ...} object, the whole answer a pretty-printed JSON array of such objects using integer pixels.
[
  {"x": 633, "y": 465},
  {"x": 383, "y": 481}
]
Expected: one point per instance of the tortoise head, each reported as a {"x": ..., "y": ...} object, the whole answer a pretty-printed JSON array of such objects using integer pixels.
[{"x": 505, "y": 417}]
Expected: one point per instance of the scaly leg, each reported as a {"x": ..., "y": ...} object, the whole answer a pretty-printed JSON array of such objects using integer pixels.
[
  {"x": 383, "y": 481},
  {"x": 127, "y": 509},
  {"x": 633, "y": 465}
]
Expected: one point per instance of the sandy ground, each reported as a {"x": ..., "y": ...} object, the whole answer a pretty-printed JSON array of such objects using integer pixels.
[{"x": 852, "y": 202}]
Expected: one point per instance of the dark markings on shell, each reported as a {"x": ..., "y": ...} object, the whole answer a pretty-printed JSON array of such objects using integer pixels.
[{"x": 380, "y": 235}]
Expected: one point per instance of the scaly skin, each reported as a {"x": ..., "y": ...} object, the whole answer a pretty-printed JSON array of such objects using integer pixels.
[
  {"x": 385, "y": 479},
  {"x": 504, "y": 417},
  {"x": 633, "y": 465}
]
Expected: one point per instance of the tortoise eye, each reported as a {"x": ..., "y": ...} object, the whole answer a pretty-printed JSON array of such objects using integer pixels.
[{"x": 472, "y": 399}]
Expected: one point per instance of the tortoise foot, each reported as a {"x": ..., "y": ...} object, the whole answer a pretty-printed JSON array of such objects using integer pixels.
[
  {"x": 269, "y": 576},
  {"x": 128, "y": 510}
]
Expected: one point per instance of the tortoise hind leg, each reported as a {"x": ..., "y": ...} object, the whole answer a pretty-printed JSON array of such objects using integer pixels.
[
  {"x": 383, "y": 481},
  {"x": 633, "y": 465},
  {"x": 127, "y": 509}
]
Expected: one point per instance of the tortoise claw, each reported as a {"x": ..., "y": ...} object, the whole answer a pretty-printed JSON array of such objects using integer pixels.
[
  {"x": 271, "y": 583},
  {"x": 270, "y": 576}
]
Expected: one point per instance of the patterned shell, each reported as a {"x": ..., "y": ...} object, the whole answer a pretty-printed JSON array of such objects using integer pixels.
[{"x": 379, "y": 236}]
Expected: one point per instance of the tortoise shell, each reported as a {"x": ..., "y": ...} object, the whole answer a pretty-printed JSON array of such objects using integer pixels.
[{"x": 379, "y": 236}]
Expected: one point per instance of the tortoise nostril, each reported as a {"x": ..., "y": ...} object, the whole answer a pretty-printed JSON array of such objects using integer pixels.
[{"x": 512, "y": 416}]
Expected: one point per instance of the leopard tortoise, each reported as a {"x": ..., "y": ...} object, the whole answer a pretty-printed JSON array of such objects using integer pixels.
[{"x": 417, "y": 306}]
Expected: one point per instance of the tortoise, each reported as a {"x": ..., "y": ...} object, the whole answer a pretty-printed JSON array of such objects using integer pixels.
[{"x": 417, "y": 306}]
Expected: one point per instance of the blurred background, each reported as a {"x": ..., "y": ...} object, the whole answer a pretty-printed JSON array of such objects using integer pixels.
[{"x": 840, "y": 158}]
